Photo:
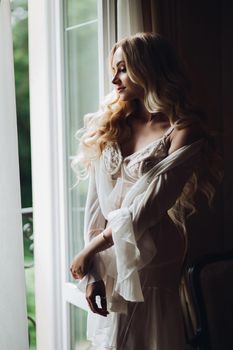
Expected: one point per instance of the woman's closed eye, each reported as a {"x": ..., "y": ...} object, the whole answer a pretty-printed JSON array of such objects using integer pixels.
[{"x": 122, "y": 69}]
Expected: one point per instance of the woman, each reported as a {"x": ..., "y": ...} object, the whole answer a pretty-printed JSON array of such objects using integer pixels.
[{"x": 147, "y": 153}]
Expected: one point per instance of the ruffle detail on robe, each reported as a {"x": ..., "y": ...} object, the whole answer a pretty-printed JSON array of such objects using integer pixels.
[{"x": 127, "y": 255}]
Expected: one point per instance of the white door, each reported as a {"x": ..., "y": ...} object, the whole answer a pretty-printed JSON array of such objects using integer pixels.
[
  {"x": 68, "y": 45},
  {"x": 13, "y": 308}
]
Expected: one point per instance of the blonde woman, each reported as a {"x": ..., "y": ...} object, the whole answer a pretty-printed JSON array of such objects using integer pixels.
[{"x": 147, "y": 154}]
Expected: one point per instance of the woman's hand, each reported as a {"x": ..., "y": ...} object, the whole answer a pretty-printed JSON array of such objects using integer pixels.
[
  {"x": 92, "y": 291},
  {"x": 80, "y": 265}
]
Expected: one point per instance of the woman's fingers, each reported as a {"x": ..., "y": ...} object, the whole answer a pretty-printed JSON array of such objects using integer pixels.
[
  {"x": 94, "y": 306},
  {"x": 95, "y": 290},
  {"x": 77, "y": 274},
  {"x": 103, "y": 302}
]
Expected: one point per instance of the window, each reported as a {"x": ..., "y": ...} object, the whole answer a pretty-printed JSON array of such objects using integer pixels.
[
  {"x": 69, "y": 41},
  {"x": 82, "y": 90},
  {"x": 82, "y": 96}
]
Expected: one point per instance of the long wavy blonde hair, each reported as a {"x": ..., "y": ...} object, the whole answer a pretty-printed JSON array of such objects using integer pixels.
[{"x": 152, "y": 63}]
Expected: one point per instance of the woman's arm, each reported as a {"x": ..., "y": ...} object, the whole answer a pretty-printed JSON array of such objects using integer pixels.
[
  {"x": 94, "y": 224},
  {"x": 80, "y": 266},
  {"x": 82, "y": 261}
]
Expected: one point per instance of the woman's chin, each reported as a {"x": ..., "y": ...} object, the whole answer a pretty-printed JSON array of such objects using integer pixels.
[{"x": 126, "y": 97}]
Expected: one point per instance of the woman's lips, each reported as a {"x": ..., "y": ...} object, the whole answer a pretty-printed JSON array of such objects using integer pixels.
[{"x": 120, "y": 89}]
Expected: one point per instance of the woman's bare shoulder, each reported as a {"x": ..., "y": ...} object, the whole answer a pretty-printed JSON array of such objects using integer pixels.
[{"x": 185, "y": 136}]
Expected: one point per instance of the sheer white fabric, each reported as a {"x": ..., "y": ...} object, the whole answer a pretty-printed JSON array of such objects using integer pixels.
[
  {"x": 129, "y": 18},
  {"x": 142, "y": 270}
]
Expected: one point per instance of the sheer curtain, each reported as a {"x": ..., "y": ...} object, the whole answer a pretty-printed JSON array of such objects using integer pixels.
[
  {"x": 13, "y": 319},
  {"x": 129, "y": 18}
]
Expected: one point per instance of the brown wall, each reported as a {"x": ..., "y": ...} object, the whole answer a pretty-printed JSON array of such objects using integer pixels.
[{"x": 227, "y": 115}]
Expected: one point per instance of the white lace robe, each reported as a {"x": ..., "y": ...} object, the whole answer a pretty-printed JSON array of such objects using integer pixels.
[{"x": 142, "y": 270}]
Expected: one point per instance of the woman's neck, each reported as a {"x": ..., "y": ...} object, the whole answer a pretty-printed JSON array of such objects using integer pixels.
[
  {"x": 143, "y": 116},
  {"x": 140, "y": 112}
]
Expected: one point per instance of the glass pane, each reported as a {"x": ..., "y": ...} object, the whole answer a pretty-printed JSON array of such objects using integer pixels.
[
  {"x": 77, "y": 198},
  {"x": 78, "y": 321},
  {"x": 82, "y": 96},
  {"x": 80, "y": 11},
  {"x": 82, "y": 77}
]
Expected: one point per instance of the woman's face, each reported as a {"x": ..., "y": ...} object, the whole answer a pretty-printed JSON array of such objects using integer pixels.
[{"x": 125, "y": 87}]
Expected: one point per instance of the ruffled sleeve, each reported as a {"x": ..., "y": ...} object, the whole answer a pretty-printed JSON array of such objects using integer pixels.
[
  {"x": 127, "y": 255},
  {"x": 94, "y": 221},
  {"x": 94, "y": 224}
]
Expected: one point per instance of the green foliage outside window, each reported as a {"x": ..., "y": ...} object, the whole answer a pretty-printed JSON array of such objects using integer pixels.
[{"x": 20, "y": 43}]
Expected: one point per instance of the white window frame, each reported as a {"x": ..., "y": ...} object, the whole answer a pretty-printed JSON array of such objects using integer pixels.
[
  {"x": 13, "y": 304},
  {"x": 53, "y": 293}
]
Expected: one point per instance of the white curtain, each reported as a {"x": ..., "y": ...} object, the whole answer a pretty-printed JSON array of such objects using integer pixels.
[
  {"x": 13, "y": 319},
  {"x": 129, "y": 18}
]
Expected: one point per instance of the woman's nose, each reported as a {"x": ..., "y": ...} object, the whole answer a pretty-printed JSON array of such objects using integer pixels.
[{"x": 115, "y": 79}]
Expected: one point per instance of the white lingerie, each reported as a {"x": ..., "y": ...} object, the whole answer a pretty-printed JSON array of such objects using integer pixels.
[{"x": 142, "y": 269}]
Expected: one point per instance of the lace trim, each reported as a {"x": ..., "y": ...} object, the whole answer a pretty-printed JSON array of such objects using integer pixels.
[
  {"x": 144, "y": 161},
  {"x": 145, "y": 153},
  {"x": 136, "y": 165},
  {"x": 112, "y": 158}
]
